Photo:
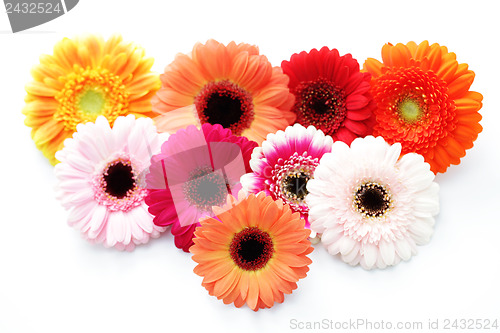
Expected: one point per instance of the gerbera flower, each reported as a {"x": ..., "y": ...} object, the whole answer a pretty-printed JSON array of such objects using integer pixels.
[
  {"x": 86, "y": 77},
  {"x": 331, "y": 93},
  {"x": 424, "y": 102},
  {"x": 285, "y": 163},
  {"x": 253, "y": 251},
  {"x": 229, "y": 85},
  {"x": 370, "y": 207},
  {"x": 195, "y": 170},
  {"x": 101, "y": 181}
]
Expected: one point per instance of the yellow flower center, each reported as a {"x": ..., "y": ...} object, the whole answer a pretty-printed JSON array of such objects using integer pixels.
[
  {"x": 410, "y": 110},
  {"x": 89, "y": 93},
  {"x": 92, "y": 101}
]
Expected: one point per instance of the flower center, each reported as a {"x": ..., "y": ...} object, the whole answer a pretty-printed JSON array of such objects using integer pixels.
[
  {"x": 205, "y": 189},
  {"x": 119, "y": 179},
  {"x": 413, "y": 108},
  {"x": 251, "y": 249},
  {"x": 92, "y": 101},
  {"x": 321, "y": 104},
  {"x": 289, "y": 180},
  {"x": 225, "y": 103},
  {"x": 372, "y": 199},
  {"x": 88, "y": 93},
  {"x": 410, "y": 110},
  {"x": 294, "y": 185},
  {"x": 117, "y": 185}
]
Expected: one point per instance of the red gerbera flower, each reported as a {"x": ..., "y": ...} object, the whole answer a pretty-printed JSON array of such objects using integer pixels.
[{"x": 331, "y": 93}]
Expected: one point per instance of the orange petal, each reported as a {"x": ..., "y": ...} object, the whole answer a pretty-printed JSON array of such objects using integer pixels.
[
  {"x": 373, "y": 66},
  {"x": 461, "y": 85},
  {"x": 40, "y": 89},
  {"x": 219, "y": 271},
  {"x": 265, "y": 289},
  {"x": 47, "y": 131},
  {"x": 253, "y": 291}
]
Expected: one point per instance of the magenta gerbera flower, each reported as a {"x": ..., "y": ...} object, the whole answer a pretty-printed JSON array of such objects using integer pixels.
[
  {"x": 331, "y": 93},
  {"x": 285, "y": 163},
  {"x": 195, "y": 170},
  {"x": 101, "y": 181}
]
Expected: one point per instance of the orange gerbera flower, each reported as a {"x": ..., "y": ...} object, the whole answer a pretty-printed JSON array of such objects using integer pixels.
[
  {"x": 253, "y": 251},
  {"x": 229, "y": 85},
  {"x": 85, "y": 78},
  {"x": 424, "y": 102}
]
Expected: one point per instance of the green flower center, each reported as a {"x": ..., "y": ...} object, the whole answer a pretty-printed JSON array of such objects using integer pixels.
[
  {"x": 92, "y": 101},
  {"x": 410, "y": 110}
]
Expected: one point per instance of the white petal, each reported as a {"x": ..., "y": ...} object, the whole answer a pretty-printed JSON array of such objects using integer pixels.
[
  {"x": 249, "y": 182},
  {"x": 387, "y": 251},
  {"x": 351, "y": 256},
  {"x": 403, "y": 249},
  {"x": 381, "y": 264},
  {"x": 370, "y": 253},
  {"x": 330, "y": 236},
  {"x": 347, "y": 245}
]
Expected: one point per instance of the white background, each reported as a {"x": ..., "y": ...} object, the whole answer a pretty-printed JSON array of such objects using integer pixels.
[{"x": 51, "y": 280}]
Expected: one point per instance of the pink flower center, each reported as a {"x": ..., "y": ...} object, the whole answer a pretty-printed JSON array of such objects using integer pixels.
[
  {"x": 251, "y": 249},
  {"x": 225, "y": 103},
  {"x": 290, "y": 178},
  {"x": 320, "y": 103},
  {"x": 116, "y": 186}
]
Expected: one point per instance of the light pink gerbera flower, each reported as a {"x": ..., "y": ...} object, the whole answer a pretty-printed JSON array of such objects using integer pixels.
[
  {"x": 101, "y": 181},
  {"x": 285, "y": 163},
  {"x": 195, "y": 170},
  {"x": 372, "y": 207}
]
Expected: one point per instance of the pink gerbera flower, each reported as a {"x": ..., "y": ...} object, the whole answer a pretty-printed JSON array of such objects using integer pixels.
[
  {"x": 285, "y": 163},
  {"x": 195, "y": 170},
  {"x": 331, "y": 93},
  {"x": 101, "y": 181}
]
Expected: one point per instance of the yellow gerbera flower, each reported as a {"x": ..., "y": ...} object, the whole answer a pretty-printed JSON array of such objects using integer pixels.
[{"x": 86, "y": 77}]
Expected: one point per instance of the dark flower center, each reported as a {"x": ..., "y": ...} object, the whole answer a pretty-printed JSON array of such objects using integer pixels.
[
  {"x": 320, "y": 103},
  {"x": 294, "y": 185},
  {"x": 119, "y": 179},
  {"x": 225, "y": 103},
  {"x": 372, "y": 199},
  {"x": 251, "y": 248},
  {"x": 205, "y": 189}
]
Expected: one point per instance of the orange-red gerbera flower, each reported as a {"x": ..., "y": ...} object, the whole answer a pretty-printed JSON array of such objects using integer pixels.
[
  {"x": 85, "y": 78},
  {"x": 229, "y": 85},
  {"x": 253, "y": 251},
  {"x": 424, "y": 102}
]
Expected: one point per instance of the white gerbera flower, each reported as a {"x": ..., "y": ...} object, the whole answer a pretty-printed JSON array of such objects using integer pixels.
[
  {"x": 371, "y": 206},
  {"x": 101, "y": 181}
]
